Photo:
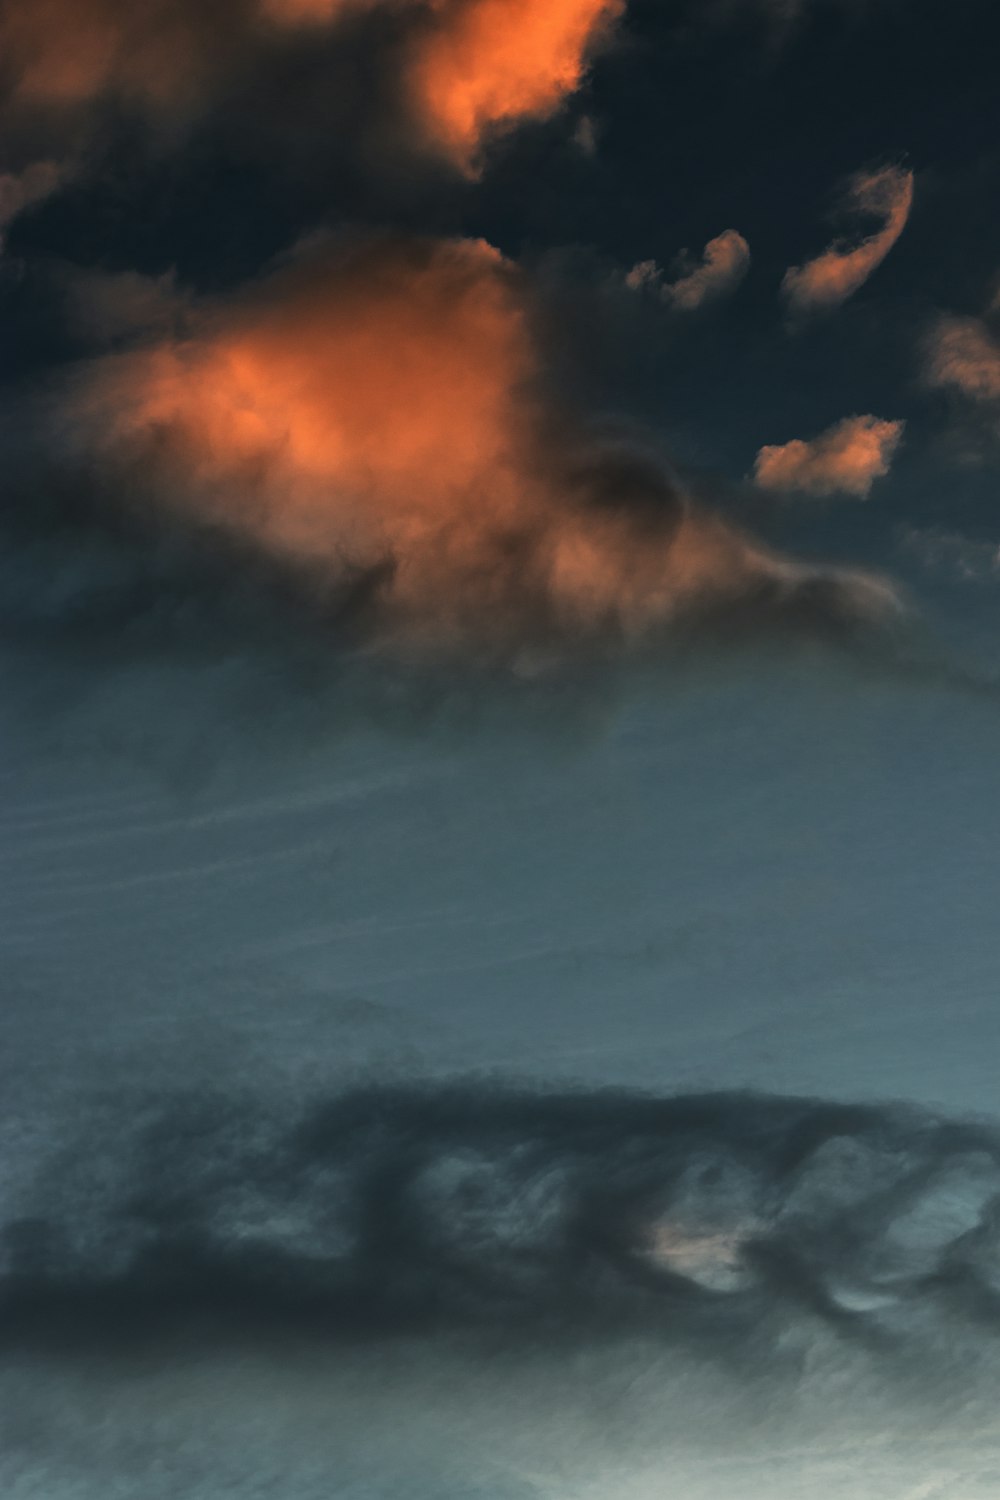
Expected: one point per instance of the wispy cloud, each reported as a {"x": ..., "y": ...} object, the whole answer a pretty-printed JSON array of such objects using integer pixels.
[
  {"x": 939, "y": 550},
  {"x": 486, "y": 64},
  {"x": 963, "y": 355},
  {"x": 828, "y": 280},
  {"x": 724, "y": 263}
]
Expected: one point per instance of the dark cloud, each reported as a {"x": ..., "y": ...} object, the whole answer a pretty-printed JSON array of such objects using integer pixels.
[{"x": 733, "y": 1224}]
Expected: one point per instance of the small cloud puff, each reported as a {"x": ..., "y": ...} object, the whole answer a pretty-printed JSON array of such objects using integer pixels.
[
  {"x": 962, "y": 354},
  {"x": 845, "y": 459},
  {"x": 724, "y": 263}
]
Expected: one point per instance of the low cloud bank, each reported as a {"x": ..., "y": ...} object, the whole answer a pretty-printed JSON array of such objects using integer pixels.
[{"x": 730, "y": 1223}]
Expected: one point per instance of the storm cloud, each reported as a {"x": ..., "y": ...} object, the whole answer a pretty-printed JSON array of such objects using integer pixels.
[{"x": 722, "y": 1219}]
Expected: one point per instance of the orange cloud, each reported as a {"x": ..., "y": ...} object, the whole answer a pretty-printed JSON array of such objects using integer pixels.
[
  {"x": 962, "y": 354},
  {"x": 831, "y": 278},
  {"x": 377, "y": 413},
  {"x": 724, "y": 264},
  {"x": 486, "y": 64},
  {"x": 469, "y": 68},
  {"x": 846, "y": 459}
]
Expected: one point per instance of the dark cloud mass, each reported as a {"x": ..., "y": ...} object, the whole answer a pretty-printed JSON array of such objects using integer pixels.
[
  {"x": 766, "y": 1250},
  {"x": 382, "y": 412},
  {"x": 726, "y": 1221}
]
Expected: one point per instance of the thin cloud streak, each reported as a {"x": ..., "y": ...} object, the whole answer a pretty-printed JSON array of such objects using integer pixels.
[{"x": 488, "y": 64}]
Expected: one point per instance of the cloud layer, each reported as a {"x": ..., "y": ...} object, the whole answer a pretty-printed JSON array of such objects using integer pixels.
[
  {"x": 467, "y": 1284},
  {"x": 845, "y": 460},
  {"x": 827, "y": 281},
  {"x": 19, "y": 190},
  {"x": 735, "y": 1222}
]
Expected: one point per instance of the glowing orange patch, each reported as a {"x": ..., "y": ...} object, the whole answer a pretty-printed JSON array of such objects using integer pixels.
[
  {"x": 366, "y": 405},
  {"x": 493, "y": 62}
]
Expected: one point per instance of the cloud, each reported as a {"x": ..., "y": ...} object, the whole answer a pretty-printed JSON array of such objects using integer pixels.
[
  {"x": 963, "y": 355},
  {"x": 459, "y": 72},
  {"x": 486, "y": 64},
  {"x": 724, "y": 264},
  {"x": 960, "y": 356},
  {"x": 939, "y": 550},
  {"x": 439, "y": 1290},
  {"x": 472, "y": 69},
  {"x": 846, "y": 459},
  {"x": 375, "y": 418},
  {"x": 743, "y": 1227},
  {"x": 831, "y": 278}
]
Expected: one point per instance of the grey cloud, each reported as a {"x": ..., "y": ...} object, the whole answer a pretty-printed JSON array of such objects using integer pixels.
[{"x": 723, "y": 1219}]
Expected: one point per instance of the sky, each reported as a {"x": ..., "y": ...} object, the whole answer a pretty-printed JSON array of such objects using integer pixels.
[{"x": 499, "y": 583}]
